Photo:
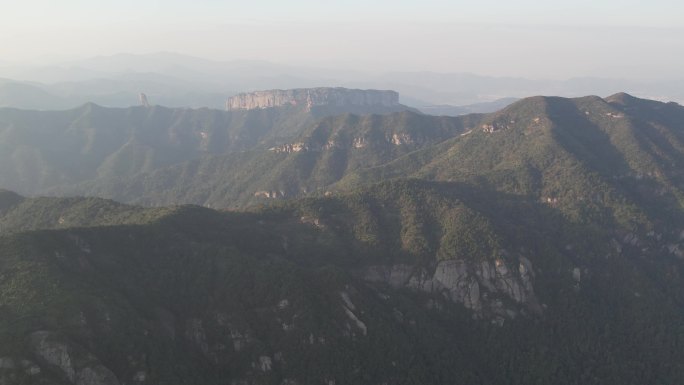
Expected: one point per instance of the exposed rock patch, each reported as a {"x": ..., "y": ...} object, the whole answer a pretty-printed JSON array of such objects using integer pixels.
[
  {"x": 77, "y": 365},
  {"x": 290, "y": 148},
  {"x": 480, "y": 287}
]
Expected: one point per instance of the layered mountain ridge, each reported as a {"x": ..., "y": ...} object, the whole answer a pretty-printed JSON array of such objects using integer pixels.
[
  {"x": 48, "y": 149},
  {"x": 527, "y": 148},
  {"x": 543, "y": 243},
  {"x": 327, "y": 289}
]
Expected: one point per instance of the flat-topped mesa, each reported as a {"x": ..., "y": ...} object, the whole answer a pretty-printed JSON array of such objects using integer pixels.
[{"x": 313, "y": 97}]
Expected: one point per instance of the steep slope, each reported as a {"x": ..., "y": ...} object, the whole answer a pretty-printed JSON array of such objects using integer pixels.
[
  {"x": 323, "y": 154},
  {"x": 49, "y": 149},
  {"x": 540, "y": 244},
  {"x": 596, "y": 161},
  {"x": 615, "y": 160},
  {"x": 407, "y": 282}
]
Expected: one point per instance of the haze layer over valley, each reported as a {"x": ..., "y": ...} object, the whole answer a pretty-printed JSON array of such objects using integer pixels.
[{"x": 176, "y": 80}]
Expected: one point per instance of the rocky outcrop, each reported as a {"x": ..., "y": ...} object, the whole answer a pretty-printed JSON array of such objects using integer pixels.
[
  {"x": 217, "y": 338},
  {"x": 96, "y": 375},
  {"x": 74, "y": 363},
  {"x": 349, "y": 309},
  {"x": 143, "y": 100},
  {"x": 273, "y": 194},
  {"x": 497, "y": 126},
  {"x": 265, "y": 364},
  {"x": 13, "y": 371},
  {"x": 312, "y": 97},
  {"x": 490, "y": 288},
  {"x": 290, "y": 148},
  {"x": 397, "y": 139}
]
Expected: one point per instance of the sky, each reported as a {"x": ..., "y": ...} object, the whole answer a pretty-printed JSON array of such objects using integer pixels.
[{"x": 522, "y": 38}]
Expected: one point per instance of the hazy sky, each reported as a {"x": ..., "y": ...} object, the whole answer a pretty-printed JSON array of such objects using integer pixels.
[{"x": 529, "y": 38}]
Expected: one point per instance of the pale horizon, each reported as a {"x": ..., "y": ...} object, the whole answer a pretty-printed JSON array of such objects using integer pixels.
[{"x": 528, "y": 39}]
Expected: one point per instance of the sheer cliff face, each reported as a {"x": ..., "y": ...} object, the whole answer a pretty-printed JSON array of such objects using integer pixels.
[{"x": 311, "y": 97}]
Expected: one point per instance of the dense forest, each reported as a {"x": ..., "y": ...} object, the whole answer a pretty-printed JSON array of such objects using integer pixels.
[{"x": 539, "y": 244}]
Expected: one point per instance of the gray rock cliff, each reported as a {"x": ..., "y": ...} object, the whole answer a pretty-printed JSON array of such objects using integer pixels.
[
  {"x": 491, "y": 289},
  {"x": 313, "y": 97},
  {"x": 77, "y": 365}
]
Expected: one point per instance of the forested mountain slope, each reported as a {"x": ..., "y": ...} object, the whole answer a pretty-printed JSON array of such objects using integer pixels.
[
  {"x": 42, "y": 150},
  {"x": 407, "y": 282}
]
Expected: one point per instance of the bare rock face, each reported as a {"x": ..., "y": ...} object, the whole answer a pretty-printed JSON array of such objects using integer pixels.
[
  {"x": 54, "y": 353},
  {"x": 77, "y": 365},
  {"x": 290, "y": 148},
  {"x": 482, "y": 287},
  {"x": 96, "y": 375},
  {"x": 217, "y": 337},
  {"x": 312, "y": 97},
  {"x": 143, "y": 100},
  {"x": 265, "y": 363}
]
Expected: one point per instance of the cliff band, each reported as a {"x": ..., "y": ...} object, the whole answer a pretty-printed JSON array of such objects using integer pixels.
[{"x": 311, "y": 97}]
